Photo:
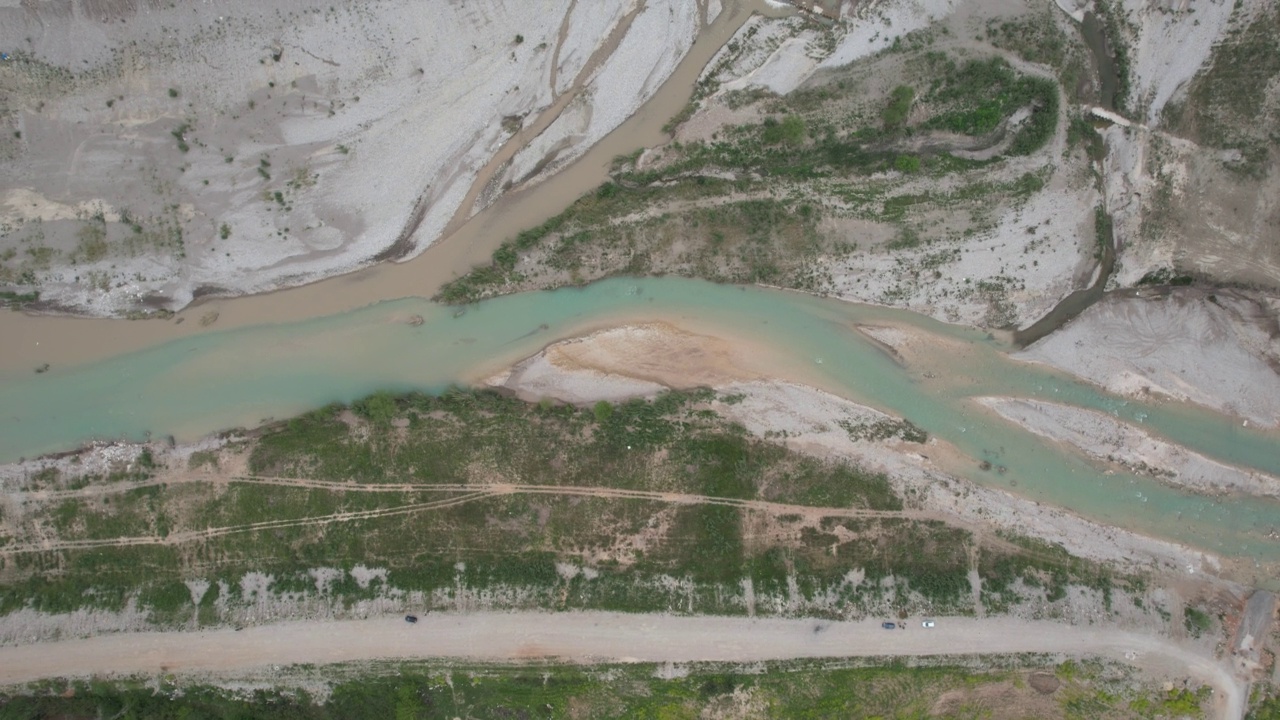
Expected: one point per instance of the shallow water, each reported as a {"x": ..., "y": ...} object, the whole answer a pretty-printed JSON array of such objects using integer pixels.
[{"x": 239, "y": 377}]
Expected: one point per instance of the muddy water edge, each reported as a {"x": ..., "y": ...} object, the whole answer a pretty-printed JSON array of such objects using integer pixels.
[
  {"x": 34, "y": 341},
  {"x": 1094, "y": 33}
]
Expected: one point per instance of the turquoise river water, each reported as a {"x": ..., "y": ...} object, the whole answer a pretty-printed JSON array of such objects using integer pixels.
[{"x": 240, "y": 377}]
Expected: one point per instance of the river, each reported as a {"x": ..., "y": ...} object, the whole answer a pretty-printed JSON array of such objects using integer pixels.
[
  {"x": 33, "y": 341},
  {"x": 278, "y": 354},
  {"x": 239, "y": 377}
]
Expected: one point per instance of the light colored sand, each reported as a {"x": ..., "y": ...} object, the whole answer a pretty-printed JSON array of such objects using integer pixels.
[
  {"x": 1173, "y": 40},
  {"x": 658, "y": 38},
  {"x": 785, "y": 68},
  {"x": 1101, "y": 436},
  {"x": 604, "y": 366},
  {"x": 1221, "y": 353},
  {"x": 368, "y": 109},
  {"x": 588, "y": 22},
  {"x": 881, "y": 23}
]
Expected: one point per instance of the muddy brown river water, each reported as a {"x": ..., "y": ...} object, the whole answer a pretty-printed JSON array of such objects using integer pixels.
[
  {"x": 58, "y": 341},
  {"x": 229, "y": 362}
]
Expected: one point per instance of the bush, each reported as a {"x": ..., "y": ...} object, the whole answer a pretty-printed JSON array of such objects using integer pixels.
[
  {"x": 1196, "y": 621},
  {"x": 603, "y": 411},
  {"x": 895, "y": 114},
  {"x": 788, "y": 132},
  {"x": 379, "y": 408}
]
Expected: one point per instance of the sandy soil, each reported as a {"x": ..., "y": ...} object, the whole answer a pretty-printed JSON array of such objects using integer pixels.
[
  {"x": 594, "y": 637},
  {"x": 1103, "y": 437},
  {"x": 1220, "y": 349},
  {"x": 264, "y": 147},
  {"x": 809, "y": 419}
]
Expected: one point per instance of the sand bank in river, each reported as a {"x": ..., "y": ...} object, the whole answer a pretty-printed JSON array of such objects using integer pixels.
[
  {"x": 1102, "y": 437},
  {"x": 1220, "y": 349},
  {"x": 603, "y": 366}
]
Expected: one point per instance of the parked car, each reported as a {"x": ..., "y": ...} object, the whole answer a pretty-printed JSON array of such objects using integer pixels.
[
  {"x": 888, "y": 625},
  {"x": 411, "y": 619},
  {"x": 927, "y": 623}
]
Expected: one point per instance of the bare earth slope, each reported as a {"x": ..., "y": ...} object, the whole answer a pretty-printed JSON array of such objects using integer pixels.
[
  {"x": 1218, "y": 349},
  {"x": 154, "y": 152}
]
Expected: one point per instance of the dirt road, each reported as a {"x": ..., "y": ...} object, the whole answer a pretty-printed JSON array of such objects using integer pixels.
[{"x": 597, "y": 636}]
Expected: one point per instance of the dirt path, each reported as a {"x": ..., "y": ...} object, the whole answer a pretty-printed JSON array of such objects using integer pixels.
[
  {"x": 597, "y": 636},
  {"x": 463, "y": 493}
]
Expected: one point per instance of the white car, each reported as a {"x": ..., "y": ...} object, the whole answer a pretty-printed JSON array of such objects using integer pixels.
[{"x": 927, "y": 623}]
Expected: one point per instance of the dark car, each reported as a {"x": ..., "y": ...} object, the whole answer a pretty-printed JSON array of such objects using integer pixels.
[
  {"x": 888, "y": 625},
  {"x": 411, "y": 618}
]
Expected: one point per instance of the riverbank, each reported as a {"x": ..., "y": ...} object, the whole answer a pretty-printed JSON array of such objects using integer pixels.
[
  {"x": 925, "y": 375},
  {"x": 1127, "y": 446},
  {"x": 271, "y": 149},
  {"x": 1214, "y": 347},
  {"x": 602, "y": 366}
]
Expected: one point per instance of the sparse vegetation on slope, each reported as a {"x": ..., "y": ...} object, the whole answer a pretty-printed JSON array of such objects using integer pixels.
[
  {"x": 757, "y": 201},
  {"x": 1232, "y": 103},
  {"x": 473, "y": 497}
]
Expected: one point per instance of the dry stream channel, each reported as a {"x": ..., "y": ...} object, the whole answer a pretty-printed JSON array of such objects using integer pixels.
[{"x": 283, "y": 353}]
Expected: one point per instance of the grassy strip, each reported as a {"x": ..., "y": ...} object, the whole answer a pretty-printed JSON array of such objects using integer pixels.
[
  {"x": 643, "y": 555},
  {"x": 748, "y": 205},
  {"x": 804, "y": 689},
  {"x": 16, "y": 300}
]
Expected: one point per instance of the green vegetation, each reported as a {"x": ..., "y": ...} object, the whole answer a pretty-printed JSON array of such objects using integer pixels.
[
  {"x": 92, "y": 245},
  {"x": 409, "y": 491},
  {"x": 778, "y": 689},
  {"x": 17, "y": 300},
  {"x": 788, "y": 132},
  {"x": 1266, "y": 708},
  {"x": 900, "y": 100},
  {"x": 180, "y": 134},
  {"x": 1166, "y": 276},
  {"x": 758, "y": 202},
  {"x": 1226, "y": 104},
  {"x": 980, "y": 94},
  {"x": 1196, "y": 621},
  {"x": 1039, "y": 38}
]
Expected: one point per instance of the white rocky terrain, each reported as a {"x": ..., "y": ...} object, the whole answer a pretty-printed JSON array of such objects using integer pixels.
[
  {"x": 1220, "y": 349},
  {"x": 154, "y": 152}
]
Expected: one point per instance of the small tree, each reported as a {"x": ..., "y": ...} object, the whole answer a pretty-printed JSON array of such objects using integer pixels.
[
  {"x": 788, "y": 132},
  {"x": 900, "y": 100},
  {"x": 603, "y": 411},
  {"x": 379, "y": 408}
]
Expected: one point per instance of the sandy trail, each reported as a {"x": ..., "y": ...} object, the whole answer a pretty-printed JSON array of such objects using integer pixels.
[
  {"x": 468, "y": 494},
  {"x": 593, "y": 637}
]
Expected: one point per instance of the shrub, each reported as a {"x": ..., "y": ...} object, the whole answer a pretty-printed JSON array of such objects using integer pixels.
[
  {"x": 603, "y": 411},
  {"x": 788, "y": 132},
  {"x": 900, "y": 100}
]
